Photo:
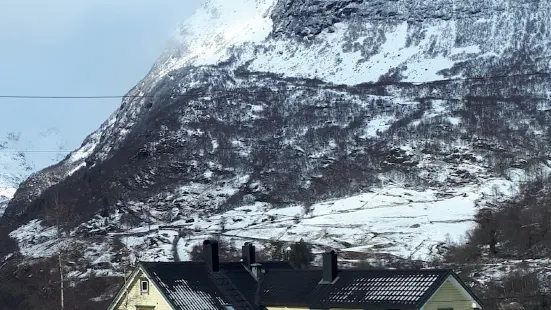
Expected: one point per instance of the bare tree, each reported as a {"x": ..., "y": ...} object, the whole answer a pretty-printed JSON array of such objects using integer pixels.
[
  {"x": 59, "y": 214},
  {"x": 124, "y": 251}
]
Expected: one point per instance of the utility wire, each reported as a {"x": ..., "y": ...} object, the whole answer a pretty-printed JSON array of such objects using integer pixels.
[
  {"x": 193, "y": 95},
  {"x": 36, "y": 151},
  {"x": 153, "y": 151}
]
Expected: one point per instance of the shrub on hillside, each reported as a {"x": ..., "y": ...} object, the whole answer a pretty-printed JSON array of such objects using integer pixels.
[{"x": 519, "y": 228}]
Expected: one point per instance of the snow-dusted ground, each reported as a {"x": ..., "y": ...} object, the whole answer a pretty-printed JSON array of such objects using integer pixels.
[
  {"x": 329, "y": 61},
  {"x": 214, "y": 29},
  {"x": 407, "y": 223},
  {"x": 403, "y": 222}
]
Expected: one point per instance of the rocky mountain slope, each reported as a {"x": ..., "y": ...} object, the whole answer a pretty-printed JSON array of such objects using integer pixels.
[{"x": 367, "y": 126}]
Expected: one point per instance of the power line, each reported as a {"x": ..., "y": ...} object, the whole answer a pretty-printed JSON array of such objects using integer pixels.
[
  {"x": 195, "y": 95},
  {"x": 474, "y": 78},
  {"x": 105, "y": 96},
  {"x": 63, "y": 97},
  {"x": 163, "y": 151},
  {"x": 36, "y": 151}
]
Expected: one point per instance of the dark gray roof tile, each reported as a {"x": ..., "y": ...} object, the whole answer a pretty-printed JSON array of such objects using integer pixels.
[
  {"x": 397, "y": 289},
  {"x": 192, "y": 286}
]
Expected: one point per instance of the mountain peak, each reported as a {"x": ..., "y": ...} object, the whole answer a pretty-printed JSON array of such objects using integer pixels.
[{"x": 216, "y": 27}]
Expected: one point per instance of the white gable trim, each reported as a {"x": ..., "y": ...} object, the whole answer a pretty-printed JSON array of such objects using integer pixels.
[
  {"x": 129, "y": 282},
  {"x": 451, "y": 279},
  {"x": 125, "y": 288},
  {"x": 157, "y": 288}
]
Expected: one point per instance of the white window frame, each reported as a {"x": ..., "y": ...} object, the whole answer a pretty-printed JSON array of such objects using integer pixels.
[{"x": 142, "y": 291}]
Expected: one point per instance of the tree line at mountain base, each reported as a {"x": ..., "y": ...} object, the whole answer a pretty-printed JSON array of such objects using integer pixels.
[{"x": 519, "y": 229}]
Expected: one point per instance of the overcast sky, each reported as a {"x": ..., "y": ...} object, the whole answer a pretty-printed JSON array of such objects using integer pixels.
[{"x": 77, "y": 48}]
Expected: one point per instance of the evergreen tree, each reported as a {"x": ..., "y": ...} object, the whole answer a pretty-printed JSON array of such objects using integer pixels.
[{"x": 300, "y": 255}]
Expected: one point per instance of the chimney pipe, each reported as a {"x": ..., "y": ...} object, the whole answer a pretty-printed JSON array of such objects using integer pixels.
[
  {"x": 248, "y": 255},
  {"x": 210, "y": 254},
  {"x": 330, "y": 267},
  {"x": 257, "y": 271}
]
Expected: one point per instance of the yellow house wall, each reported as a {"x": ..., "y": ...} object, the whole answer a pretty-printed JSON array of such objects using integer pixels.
[
  {"x": 135, "y": 298},
  {"x": 448, "y": 297}
]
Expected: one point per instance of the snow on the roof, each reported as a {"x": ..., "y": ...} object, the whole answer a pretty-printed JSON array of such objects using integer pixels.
[
  {"x": 395, "y": 288},
  {"x": 185, "y": 295}
]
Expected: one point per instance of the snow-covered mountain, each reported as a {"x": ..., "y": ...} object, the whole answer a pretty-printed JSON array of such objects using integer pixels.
[
  {"x": 367, "y": 126},
  {"x": 21, "y": 154},
  {"x": 5, "y": 195}
]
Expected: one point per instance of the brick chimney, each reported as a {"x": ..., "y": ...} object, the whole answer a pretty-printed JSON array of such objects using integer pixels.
[
  {"x": 210, "y": 254},
  {"x": 330, "y": 267},
  {"x": 248, "y": 255}
]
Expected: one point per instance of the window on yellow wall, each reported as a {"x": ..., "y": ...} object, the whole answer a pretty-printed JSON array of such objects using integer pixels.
[{"x": 144, "y": 286}]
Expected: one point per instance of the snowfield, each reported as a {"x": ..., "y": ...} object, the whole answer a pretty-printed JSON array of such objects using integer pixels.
[
  {"x": 328, "y": 60},
  {"x": 214, "y": 29},
  {"x": 407, "y": 223}
]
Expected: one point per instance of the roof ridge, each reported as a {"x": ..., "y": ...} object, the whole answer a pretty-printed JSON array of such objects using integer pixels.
[
  {"x": 301, "y": 288},
  {"x": 440, "y": 270},
  {"x": 166, "y": 263}
]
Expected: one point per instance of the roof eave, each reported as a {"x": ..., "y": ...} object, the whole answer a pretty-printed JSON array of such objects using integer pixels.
[
  {"x": 152, "y": 280},
  {"x": 468, "y": 289},
  {"x": 427, "y": 296},
  {"x": 313, "y": 305},
  {"x": 441, "y": 282},
  {"x": 124, "y": 288}
]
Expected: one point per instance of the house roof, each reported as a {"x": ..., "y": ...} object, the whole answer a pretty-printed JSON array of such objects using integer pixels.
[
  {"x": 352, "y": 288},
  {"x": 193, "y": 286}
]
